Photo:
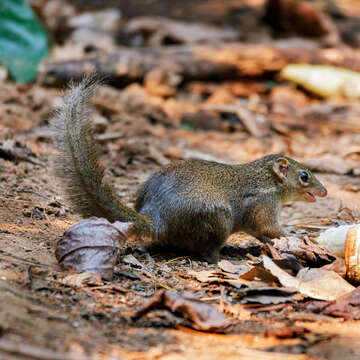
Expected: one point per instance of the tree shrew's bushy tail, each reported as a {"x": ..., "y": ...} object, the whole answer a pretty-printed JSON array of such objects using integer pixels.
[{"x": 78, "y": 164}]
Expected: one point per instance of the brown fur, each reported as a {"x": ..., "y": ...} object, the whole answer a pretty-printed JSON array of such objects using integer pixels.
[{"x": 193, "y": 204}]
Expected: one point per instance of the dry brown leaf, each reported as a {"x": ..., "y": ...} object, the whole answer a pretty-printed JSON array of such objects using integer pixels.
[
  {"x": 347, "y": 306},
  {"x": 204, "y": 275},
  {"x": 266, "y": 294},
  {"x": 302, "y": 248},
  {"x": 254, "y": 286},
  {"x": 92, "y": 245},
  {"x": 229, "y": 267},
  {"x": 338, "y": 266},
  {"x": 202, "y": 316},
  {"x": 209, "y": 276},
  {"x": 316, "y": 283},
  {"x": 79, "y": 280}
]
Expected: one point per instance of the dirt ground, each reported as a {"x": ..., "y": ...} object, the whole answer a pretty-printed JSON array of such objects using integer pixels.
[
  {"x": 45, "y": 313},
  {"x": 37, "y": 310}
]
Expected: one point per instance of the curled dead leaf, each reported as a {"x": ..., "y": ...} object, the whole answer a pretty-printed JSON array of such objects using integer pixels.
[
  {"x": 302, "y": 248},
  {"x": 92, "y": 245},
  {"x": 316, "y": 283},
  {"x": 200, "y": 315}
]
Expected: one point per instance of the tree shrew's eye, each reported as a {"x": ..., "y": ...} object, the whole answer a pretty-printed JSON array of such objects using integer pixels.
[{"x": 304, "y": 176}]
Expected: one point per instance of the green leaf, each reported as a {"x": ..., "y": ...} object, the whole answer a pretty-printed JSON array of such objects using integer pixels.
[{"x": 23, "y": 41}]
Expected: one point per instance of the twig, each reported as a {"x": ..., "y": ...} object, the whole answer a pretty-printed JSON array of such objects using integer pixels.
[
  {"x": 43, "y": 196},
  {"x": 175, "y": 259},
  {"x": 152, "y": 277}
]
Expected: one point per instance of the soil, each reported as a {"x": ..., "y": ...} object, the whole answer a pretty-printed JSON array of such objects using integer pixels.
[
  {"x": 96, "y": 319},
  {"x": 45, "y": 313}
]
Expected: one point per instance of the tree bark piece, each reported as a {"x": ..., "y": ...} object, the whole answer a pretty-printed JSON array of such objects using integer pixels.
[{"x": 193, "y": 62}]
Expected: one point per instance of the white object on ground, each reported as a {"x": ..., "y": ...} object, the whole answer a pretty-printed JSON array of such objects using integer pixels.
[{"x": 333, "y": 239}]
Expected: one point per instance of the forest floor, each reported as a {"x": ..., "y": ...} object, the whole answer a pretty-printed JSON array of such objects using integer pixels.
[{"x": 49, "y": 313}]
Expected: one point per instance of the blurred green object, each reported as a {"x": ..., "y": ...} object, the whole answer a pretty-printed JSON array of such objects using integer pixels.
[{"x": 23, "y": 40}]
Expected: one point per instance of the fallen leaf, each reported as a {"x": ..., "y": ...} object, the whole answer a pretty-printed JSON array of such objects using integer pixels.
[
  {"x": 265, "y": 295},
  {"x": 253, "y": 286},
  {"x": 316, "y": 283},
  {"x": 92, "y": 245},
  {"x": 338, "y": 266},
  {"x": 210, "y": 276},
  {"x": 302, "y": 248},
  {"x": 257, "y": 272},
  {"x": 197, "y": 314},
  {"x": 132, "y": 260},
  {"x": 204, "y": 275},
  {"x": 229, "y": 267},
  {"x": 78, "y": 280},
  {"x": 346, "y": 306},
  {"x": 321, "y": 282}
]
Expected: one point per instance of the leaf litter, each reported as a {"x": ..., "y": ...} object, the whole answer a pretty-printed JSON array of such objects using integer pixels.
[
  {"x": 201, "y": 315},
  {"x": 176, "y": 110}
]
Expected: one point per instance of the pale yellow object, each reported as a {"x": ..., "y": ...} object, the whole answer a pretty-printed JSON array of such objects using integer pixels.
[
  {"x": 333, "y": 239},
  {"x": 344, "y": 241},
  {"x": 324, "y": 80}
]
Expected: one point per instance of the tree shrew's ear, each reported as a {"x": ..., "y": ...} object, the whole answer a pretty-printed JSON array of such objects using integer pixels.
[{"x": 281, "y": 168}]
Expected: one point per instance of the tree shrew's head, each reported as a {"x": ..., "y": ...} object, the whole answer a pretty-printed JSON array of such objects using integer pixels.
[{"x": 296, "y": 180}]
